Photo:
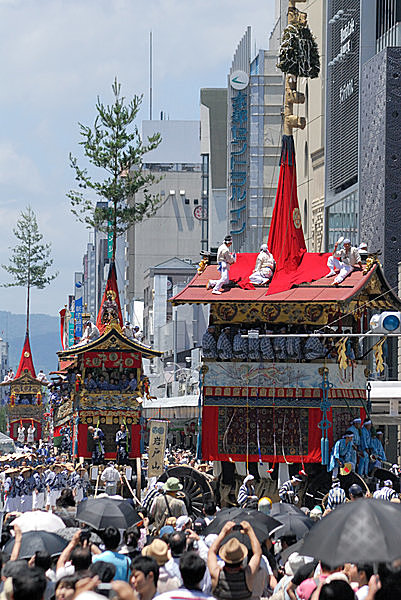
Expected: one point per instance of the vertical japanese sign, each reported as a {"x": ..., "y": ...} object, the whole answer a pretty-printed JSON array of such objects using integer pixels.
[
  {"x": 110, "y": 235},
  {"x": 71, "y": 322},
  {"x": 79, "y": 291},
  {"x": 157, "y": 445},
  {"x": 238, "y": 167}
]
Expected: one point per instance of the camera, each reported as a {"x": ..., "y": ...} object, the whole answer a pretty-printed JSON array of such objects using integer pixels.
[
  {"x": 237, "y": 527},
  {"x": 84, "y": 535}
]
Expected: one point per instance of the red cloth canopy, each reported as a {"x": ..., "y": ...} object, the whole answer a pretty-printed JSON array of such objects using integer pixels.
[
  {"x": 26, "y": 362},
  {"x": 286, "y": 239},
  {"x": 111, "y": 285}
]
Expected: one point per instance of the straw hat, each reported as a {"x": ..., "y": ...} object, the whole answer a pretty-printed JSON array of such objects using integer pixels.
[
  {"x": 11, "y": 470},
  {"x": 233, "y": 552},
  {"x": 158, "y": 550}
]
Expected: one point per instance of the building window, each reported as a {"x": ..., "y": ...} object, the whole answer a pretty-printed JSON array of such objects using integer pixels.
[{"x": 342, "y": 220}]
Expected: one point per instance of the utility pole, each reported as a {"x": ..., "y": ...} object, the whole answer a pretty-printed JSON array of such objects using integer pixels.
[{"x": 292, "y": 97}]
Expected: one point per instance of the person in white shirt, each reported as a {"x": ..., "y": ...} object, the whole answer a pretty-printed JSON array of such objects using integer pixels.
[
  {"x": 111, "y": 476},
  {"x": 31, "y": 434},
  {"x": 91, "y": 333},
  {"x": 344, "y": 260},
  {"x": 42, "y": 377},
  {"x": 264, "y": 267},
  {"x": 365, "y": 572},
  {"x": 224, "y": 259},
  {"x": 192, "y": 570}
]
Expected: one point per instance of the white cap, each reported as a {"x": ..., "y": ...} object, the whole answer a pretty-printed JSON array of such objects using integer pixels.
[{"x": 249, "y": 478}]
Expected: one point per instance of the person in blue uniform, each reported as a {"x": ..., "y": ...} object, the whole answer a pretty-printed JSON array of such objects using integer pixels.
[
  {"x": 38, "y": 500},
  {"x": 10, "y": 490},
  {"x": 98, "y": 445},
  {"x": 363, "y": 466},
  {"x": 377, "y": 450},
  {"x": 342, "y": 453},
  {"x": 122, "y": 442}
]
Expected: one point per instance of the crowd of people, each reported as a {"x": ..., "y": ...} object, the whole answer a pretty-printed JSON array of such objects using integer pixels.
[{"x": 172, "y": 554}]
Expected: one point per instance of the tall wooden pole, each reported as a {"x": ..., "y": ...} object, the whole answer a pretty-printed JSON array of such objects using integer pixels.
[{"x": 292, "y": 97}]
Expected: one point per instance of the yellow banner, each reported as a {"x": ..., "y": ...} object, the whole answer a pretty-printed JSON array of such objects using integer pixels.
[{"x": 157, "y": 445}]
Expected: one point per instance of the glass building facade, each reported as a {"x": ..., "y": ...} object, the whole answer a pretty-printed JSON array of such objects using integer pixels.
[{"x": 342, "y": 219}]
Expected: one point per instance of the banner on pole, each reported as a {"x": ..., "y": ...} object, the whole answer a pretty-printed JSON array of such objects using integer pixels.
[{"x": 157, "y": 445}]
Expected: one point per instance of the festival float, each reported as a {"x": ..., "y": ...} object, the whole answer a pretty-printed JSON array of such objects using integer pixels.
[
  {"x": 105, "y": 355},
  {"x": 25, "y": 405},
  {"x": 276, "y": 417}
]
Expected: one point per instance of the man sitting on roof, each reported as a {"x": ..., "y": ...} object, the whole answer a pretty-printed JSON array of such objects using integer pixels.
[
  {"x": 91, "y": 333},
  {"x": 344, "y": 260},
  {"x": 264, "y": 267},
  {"x": 224, "y": 259}
]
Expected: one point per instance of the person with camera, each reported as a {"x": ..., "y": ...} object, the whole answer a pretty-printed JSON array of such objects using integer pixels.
[
  {"x": 77, "y": 556},
  {"x": 233, "y": 579}
]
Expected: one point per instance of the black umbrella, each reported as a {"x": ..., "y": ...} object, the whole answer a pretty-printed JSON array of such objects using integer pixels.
[
  {"x": 38, "y": 540},
  {"x": 282, "y": 508},
  {"x": 365, "y": 531},
  {"x": 262, "y": 524},
  {"x": 293, "y": 524},
  {"x": 102, "y": 512}
]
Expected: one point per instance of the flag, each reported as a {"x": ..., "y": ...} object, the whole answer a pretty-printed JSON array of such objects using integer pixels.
[
  {"x": 65, "y": 316},
  {"x": 286, "y": 239},
  {"x": 112, "y": 286},
  {"x": 26, "y": 362}
]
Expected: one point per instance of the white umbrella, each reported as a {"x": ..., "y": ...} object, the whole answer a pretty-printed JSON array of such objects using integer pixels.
[{"x": 39, "y": 520}]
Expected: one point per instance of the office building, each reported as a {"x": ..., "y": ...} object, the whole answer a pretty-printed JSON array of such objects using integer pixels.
[
  {"x": 175, "y": 230},
  {"x": 213, "y": 209},
  {"x": 351, "y": 41},
  {"x": 255, "y": 101}
]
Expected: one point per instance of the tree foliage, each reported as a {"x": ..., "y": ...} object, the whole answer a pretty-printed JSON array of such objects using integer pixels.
[
  {"x": 114, "y": 145},
  {"x": 30, "y": 258}
]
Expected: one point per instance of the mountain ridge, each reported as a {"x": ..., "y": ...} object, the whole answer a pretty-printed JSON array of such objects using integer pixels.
[{"x": 44, "y": 337}]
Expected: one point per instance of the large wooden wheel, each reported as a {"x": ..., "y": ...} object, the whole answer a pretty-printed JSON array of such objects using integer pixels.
[
  {"x": 319, "y": 485},
  {"x": 383, "y": 474},
  {"x": 196, "y": 488}
]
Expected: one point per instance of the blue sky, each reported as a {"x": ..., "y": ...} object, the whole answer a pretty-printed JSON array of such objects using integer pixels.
[{"x": 57, "y": 56}]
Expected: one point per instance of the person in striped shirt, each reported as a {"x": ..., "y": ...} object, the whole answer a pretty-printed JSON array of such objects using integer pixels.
[
  {"x": 386, "y": 492},
  {"x": 288, "y": 491},
  {"x": 246, "y": 490},
  {"x": 151, "y": 495},
  {"x": 336, "y": 495}
]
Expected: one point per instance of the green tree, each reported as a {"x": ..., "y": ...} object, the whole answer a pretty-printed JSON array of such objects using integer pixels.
[
  {"x": 30, "y": 259},
  {"x": 114, "y": 145}
]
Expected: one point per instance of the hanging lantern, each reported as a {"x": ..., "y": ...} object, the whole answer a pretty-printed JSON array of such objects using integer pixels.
[
  {"x": 12, "y": 399},
  {"x": 38, "y": 398}
]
